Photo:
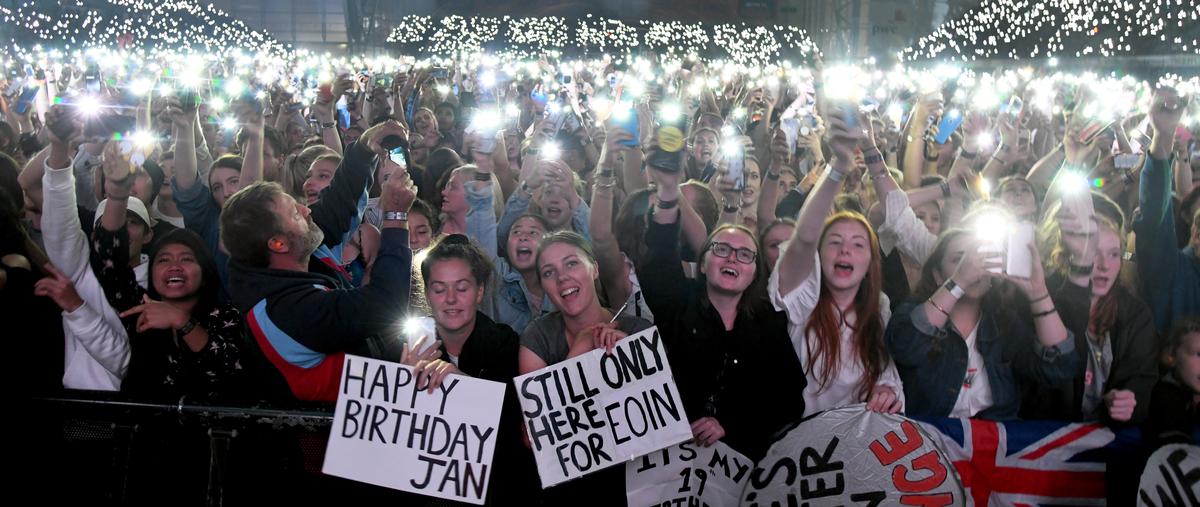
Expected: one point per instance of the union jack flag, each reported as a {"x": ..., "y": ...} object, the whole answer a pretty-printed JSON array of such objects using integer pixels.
[{"x": 1027, "y": 463}]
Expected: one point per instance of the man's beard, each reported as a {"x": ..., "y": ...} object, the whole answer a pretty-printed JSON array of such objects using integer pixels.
[{"x": 305, "y": 244}]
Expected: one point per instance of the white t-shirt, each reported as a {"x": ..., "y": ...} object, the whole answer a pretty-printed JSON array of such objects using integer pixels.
[
  {"x": 842, "y": 388},
  {"x": 976, "y": 393}
]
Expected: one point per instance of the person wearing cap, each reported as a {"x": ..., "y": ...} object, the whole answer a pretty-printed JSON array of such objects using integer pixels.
[{"x": 184, "y": 341}]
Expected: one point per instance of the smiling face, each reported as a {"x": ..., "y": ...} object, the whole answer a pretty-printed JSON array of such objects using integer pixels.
[
  {"x": 568, "y": 276},
  {"x": 176, "y": 273},
  {"x": 1107, "y": 267},
  {"x": 320, "y": 175},
  {"x": 728, "y": 274},
  {"x": 453, "y": 294},
  {"x": 522, "y": 244},
  {"x": 845, "y": 255}
]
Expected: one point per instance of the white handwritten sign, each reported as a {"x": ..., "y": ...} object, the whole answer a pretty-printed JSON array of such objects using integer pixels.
[
  {"x": 389, "y": 430},
  {"x": 597, "y": 410},
  {"x": 688, "y": 474}
]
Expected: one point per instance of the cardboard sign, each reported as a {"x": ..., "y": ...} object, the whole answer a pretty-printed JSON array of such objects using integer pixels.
[
  {"x": 687, "y": 474},
  {"x": 598, "y": 410},
  {"x": 850, "y": 456},
  {"x": 389, "y": 430},
  {"x": 1171, "y": 477}
]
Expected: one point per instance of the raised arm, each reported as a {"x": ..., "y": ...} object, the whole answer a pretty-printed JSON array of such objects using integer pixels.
[
  {"x": 613, "y": 273},
  {"x": 797, "y": 261}
]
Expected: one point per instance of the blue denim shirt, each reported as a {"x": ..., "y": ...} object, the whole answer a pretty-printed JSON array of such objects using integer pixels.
[
  {"x": 509, "y": 303},
  {"x": 933, "y": 378}
]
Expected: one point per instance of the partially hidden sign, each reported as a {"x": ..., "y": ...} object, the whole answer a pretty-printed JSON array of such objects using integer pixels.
[
  {"x": 389, "y": 430},
  {"x": 851, "y": 456},
  {"x": 1171, "y": 477},
  {"x": 597, "y": 410},
  {"x": 688, "y": 474}
]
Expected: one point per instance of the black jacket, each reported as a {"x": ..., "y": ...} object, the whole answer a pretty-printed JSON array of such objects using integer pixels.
[
  {"x": 748, "y": 378},
  {"x": 301, "y": 323},
  {"x": 490, "y": 353},
  {"x": 1134, "y": 366}
]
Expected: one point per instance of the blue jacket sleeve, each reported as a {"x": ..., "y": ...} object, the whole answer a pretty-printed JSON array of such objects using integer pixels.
[
  {"x": 340, "y": 208},
  {"x": 481, "y": 219},
  {"x": 1170, "y": 278},
  {"x": 195, "y": 203},
  {"x": 1049, "y": 366},
  {"x": 910, "y": 337}
]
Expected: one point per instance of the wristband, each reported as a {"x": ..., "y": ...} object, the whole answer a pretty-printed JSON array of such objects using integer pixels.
[
  {"x": 482, "y": 176},
  {"x": 945, "y": 188},
  {"x": 835, "y": 175},
  {"x": 187, "y": 327},
  {"x": 328, "y": 125},
  {"x": 938, "y": 307},
  {"x": 773, "y": 175},
  {"x": 954, "y": 289},
  {"x": 731, "y": 208},
  {"x": 1045, "y": 313},
  {"x": 1039, "y": 300},
  {"x": 968, "y": 155},
  {"x": 873, "y": 158},
  {"x": 396, "y": 215}
]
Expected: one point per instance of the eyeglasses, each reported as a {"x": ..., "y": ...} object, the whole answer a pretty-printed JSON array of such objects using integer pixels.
[{"x": 724, "y": 250}]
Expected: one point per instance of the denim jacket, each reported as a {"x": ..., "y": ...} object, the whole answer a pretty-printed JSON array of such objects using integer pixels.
[
  {"x": 933, "y": 376},
  {"x": 509, "y": 303}
]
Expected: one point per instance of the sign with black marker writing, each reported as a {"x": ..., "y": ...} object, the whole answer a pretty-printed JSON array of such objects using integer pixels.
[
  {"x": 389, "y": 430},
  {"x": 1171, "y": 477},
  {"x": 851, "y": 456},
  {"x": 598, "y": 410},
  {"x": 688, "y": 474}
]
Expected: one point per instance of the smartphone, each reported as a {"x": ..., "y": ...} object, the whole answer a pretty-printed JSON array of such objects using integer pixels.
[
  {"x": 949, "y": 123},
  {"x": 791, "y": 129},
  {"x": 108, "y": 126},
  {"x": 415, "y": 328},
  {"x": 383, "y": 80},
  {"x": 1092, "y": 129},
  {"x": 565, "y": 79},
  {"x": 1017, "y": 259},
  {"x": 399, "y": 156},
  {"x": 1013, "y": 107},
  {"x": 627, "y": 119},
  {"x": 736, "y": 167},
  {"x": 440, "y": 73},
  {"x": 26, "y": 99},
  {"x": 92, "y": 79}
]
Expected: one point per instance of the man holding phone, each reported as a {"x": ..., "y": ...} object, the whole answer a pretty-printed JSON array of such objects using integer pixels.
[{"x": 302, "y": 314}]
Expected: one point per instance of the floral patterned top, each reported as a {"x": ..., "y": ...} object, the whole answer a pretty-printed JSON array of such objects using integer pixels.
[{"x": 161, "y": 363}]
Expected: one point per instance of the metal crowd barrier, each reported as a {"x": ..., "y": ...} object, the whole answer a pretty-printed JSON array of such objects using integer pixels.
[{"x": 107, "y": 449}]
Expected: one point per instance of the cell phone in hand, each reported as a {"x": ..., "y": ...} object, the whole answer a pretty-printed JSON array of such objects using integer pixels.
[
  {"x": 735, "y": 164},
  {"x": 627, "y": 119},
  {"x": 26, "y": 99},
  {"x": 419, "y": 327},
  {"x": 948, "y": 124},
  {"x": 1018, "y": 261}
]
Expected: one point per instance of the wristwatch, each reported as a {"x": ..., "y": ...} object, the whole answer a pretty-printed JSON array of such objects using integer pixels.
[
  {"x": 396, "y": 215},
  {"x": 328, "y": 125}
]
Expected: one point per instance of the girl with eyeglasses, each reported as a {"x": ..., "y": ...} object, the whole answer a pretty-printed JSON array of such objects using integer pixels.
[
  {"x": 724, "y": 341},
  {"x": 829, "y": 282}
]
